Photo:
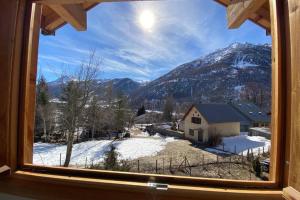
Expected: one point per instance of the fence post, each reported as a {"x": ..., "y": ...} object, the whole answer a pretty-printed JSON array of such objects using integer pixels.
[
  {"x": 242, "y": 161},
  {"x": 60, "y": 159},
  {"x": 235, "y": 149},
  {"x": 170, "y": 167},
  {"x": 156, "y": 166},
  {"x": 138, "y": 165},
  {"x": 248, "y": 152},
  {"x": 163, "y": 165},
  {"x": 229, "y": 163},
  {"x": 85, "y": 165}
]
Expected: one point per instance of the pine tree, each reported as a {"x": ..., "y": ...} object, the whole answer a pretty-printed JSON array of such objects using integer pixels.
[
  {"x": 120, "y": 107},
  {"x": 168, "y": 109},
  {"x": 42, "y": 102},
  {"x": 141, "y": 111},
  {"x": 111, "y": 159}
]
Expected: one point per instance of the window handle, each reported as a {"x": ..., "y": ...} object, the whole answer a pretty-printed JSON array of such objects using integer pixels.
[{"x": 158, "y": 186}]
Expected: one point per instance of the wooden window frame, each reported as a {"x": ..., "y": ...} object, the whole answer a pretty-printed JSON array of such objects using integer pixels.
[
  {"x": 191, "y": 132},
  {"x": 24, "y": 170},
  {"x": 194, "y": 120}
]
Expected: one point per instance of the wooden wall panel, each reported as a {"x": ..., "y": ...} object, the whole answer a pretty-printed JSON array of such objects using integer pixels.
[
  {"x": 11, "y": 35},
  {"x": 294, "y": 25}
]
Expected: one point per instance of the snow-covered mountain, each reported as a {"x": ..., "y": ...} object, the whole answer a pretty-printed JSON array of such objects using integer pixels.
[
  {"x": 216, "y": 77},
  {"x": 118, "y": 86}
]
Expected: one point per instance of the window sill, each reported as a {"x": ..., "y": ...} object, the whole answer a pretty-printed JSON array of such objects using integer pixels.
[{"x": 46, "y": 186}]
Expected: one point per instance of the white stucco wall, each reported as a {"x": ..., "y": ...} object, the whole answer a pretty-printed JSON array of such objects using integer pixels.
[
  {"x": 189, "y": 125},
  {"x": 224, "y": 129}
]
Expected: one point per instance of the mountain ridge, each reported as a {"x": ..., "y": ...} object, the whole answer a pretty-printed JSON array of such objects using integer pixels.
[{"x": 219, "y": 76}]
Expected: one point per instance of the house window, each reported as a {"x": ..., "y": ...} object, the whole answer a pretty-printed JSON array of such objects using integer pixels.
[
  {"x": 196, "y": 120},
  {"x": 191, "y": 132}
]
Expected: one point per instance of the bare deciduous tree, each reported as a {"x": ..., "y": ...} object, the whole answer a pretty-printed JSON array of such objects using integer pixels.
[{"x": 76, "y": 94}]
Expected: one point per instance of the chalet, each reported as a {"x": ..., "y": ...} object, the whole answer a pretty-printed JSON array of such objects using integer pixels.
[
  {"x": 255, "y": 116},
  {"x": 204, "y": 120}
]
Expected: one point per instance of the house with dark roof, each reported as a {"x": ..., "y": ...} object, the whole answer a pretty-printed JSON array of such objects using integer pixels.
[
  {"x": 254, "y": 115},
  {"x": 205, "y": 120}
]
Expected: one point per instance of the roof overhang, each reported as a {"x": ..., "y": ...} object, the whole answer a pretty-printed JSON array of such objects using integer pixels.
[
  {"x": 238, "y": 11},
  {"x": 57, "y": 13}
]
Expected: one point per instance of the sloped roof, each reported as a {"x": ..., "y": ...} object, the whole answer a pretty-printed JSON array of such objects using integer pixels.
[
  {"x": 252, "y": 112},
  {"x": 220, "y": 113}
]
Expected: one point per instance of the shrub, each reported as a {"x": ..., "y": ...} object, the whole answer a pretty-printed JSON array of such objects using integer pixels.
[
  {"x": 257, "y": 167},
  {"x": 127, "y": 135},
  {"x": 111, "y": 159},
  {"x": 214, "y": 139}
]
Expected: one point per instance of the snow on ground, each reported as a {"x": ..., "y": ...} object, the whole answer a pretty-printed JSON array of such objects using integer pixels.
[
  {"x": 94, "y": 151},
  {"x": 143, "y": 134},
  {"x": 242, "y": 143},
  {"x": 261, "y": 129},
  {"x": 142, "y": 125},
  {"x": 165, "y": 126},
  {"x": 244, "y": 133}
]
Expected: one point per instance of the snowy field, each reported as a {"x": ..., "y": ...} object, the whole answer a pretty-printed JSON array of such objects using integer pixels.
[
  {"x": 242, "y": 143},
  {"x": 94, "y": 151}
]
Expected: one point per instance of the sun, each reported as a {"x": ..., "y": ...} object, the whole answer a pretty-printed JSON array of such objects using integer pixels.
[{"x": 147, "y": 20}]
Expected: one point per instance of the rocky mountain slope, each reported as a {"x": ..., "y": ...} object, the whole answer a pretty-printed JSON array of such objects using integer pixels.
[{"x": 218, "y": 77}]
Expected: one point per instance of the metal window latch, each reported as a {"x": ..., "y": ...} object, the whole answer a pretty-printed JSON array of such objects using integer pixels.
[
  {"x": 158, "y": 186},
  {"x": 5, "y": 171}
]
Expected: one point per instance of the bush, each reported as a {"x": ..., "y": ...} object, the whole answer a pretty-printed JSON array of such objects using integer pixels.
[
  {"x": 214, "y": 140},
  {"x": 127, "y": 135},
  {"x": 111, "y": 161},
  {"x": 257, "y": 167}
]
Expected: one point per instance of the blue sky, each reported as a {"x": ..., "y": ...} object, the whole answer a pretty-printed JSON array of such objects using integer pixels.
[{"x": 183, "y": 30}]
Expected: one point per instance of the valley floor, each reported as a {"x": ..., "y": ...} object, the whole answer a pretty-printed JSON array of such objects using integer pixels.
[{"x": 162, "y": 155}]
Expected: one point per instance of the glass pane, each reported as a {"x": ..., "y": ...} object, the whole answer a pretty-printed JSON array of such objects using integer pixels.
[{"x": 158, "y": 88}]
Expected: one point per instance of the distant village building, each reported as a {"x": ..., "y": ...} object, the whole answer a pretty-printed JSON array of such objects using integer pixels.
[
  {"x": 254, "y": 115},
  {"x": 260, "y": 131},
  {"x": 204, "y": 120},
  {"x": 148, "y": 118}
]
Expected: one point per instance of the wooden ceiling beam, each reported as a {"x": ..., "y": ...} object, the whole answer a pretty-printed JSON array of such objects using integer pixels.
[
  {"x": 238, "y": 11},
  {"x": 71, "y": 13},
  {"x": 49, "y": 2},
  {"x": 51, "y": 21}
]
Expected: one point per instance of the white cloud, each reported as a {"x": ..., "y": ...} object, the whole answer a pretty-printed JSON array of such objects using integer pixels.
[{"x": 184, "y": 30}]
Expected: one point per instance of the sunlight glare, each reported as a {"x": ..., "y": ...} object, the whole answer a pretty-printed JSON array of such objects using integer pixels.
[{"x": 147, "y": 20}]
